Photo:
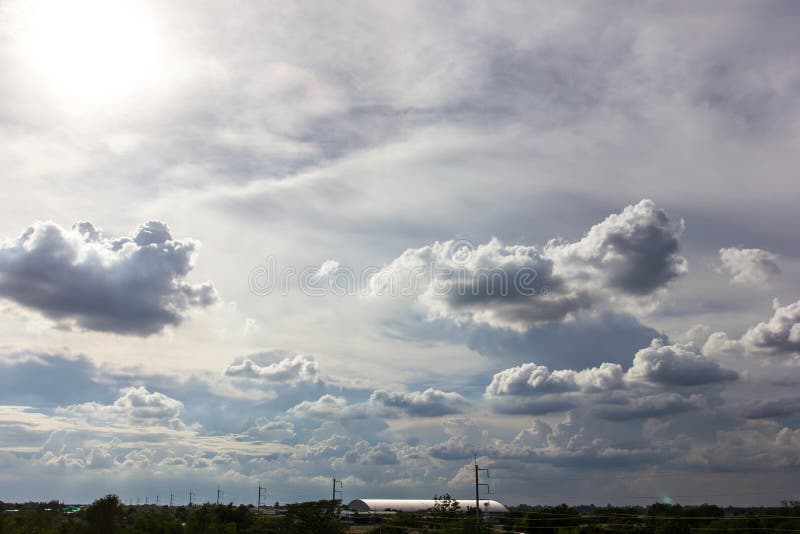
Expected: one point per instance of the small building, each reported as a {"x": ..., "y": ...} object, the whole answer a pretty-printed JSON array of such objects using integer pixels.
[{"x": 376, "y": 506}]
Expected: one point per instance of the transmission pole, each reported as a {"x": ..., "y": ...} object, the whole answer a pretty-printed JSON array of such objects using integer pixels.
[
  {"x": 478, "y": 485},
  {"x": 262, "y": 492},
  {"x": 336, "y": 489},
  {"x": 217, "y": 495},
  {"x": 171, "y": 496},
  {"x": 190, "y": 498}
]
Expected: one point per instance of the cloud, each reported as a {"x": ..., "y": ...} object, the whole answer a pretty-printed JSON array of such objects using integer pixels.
[
  {"x": 625, "y": 259},
  {"x": 136, "y": 406},
  {"x": 749, "y": 266},
  {"x": 268, "y": 430},
  {"x": 290, "y": 370},
  {"x": 429, "y": 403},
  {"x": 328, "y": 407},
  {"x": 635, "y": 251},
  {"x": 129, "y": 285},
  {"x": 676, "y": 365},
  {"x": 534, "y": 389},
  {"x": 648, "y": 406},
  {"x": 533, "y": 379},
  {"x": 365, "y": 454},
  {"x": 780, "y": 334},
  {"x": 382, "y": 403},
  {"x": 766, "y": 409}
]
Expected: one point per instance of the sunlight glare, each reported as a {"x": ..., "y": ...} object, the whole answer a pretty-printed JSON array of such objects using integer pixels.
[{"x": 91, "y": 51}]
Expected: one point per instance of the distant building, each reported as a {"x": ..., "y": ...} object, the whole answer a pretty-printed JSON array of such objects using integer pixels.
[{"x": 421, "y": 505}]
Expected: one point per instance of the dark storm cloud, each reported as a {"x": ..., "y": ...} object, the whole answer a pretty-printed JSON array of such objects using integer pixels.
[{"x": 130, "y": 285}]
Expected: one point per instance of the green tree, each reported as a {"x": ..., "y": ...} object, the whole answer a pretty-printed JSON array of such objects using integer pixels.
[{"x": 104, "y": 515}]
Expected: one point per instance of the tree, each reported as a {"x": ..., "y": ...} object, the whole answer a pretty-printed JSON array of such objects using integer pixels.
[
  {"x": 446, "y": 505},
  {"x": 104, "y": 514}
]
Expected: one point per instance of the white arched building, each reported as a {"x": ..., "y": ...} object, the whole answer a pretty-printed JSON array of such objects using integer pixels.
[{"x": 421, "y": 505}]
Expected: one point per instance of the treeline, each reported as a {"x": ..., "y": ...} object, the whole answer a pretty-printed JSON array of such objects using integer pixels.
[
  {"x": 110, "y": 516},
  {"x": 655, "y": 519}
]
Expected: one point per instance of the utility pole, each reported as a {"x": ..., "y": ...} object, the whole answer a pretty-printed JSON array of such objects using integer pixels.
[
  {"x": 190, "y": 498},
  {"x": 336, "y": 489},
  {"x": 218, "y": 495},
  {"x": 262, "y": 492},
  {"x": 156, "y": 500},
  {"x": 171, "y": 496},
  {"x": 477, "y": 491}
]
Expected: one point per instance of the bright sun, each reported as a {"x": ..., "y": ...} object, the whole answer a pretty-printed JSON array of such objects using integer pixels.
[{"x": 90, "y": 51}]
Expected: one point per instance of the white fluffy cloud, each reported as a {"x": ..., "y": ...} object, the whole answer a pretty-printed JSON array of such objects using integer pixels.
[
  {"x": 780, "y": 334},
  {"x": 676, "y": 365},
  {"x": 136, "y": 406},
  {"x": 749, "y": 266},
  {"x": 534, "y": 389},
  {"x": 532, "y": 379},
  {"x": 128, "y": 285},
  {"x": 290, "y": 370}
]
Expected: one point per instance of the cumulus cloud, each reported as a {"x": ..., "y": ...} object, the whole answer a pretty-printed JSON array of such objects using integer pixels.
[
  {"x": 532, "y": 379},
  {"x": 755, "y": 445},
  {"x": 365, "y": 454},
  {"x": 127, "y": 285},
  {"x": 290, "y": 370},
  {"x": 635, "y": 251},
  {"x": 749, "y": 266},
  {"x": 429, "y": 403},
  {"x": 676, "y": 365},
  {"x": 625, "y": 259},
  {"x": 328, "y": 407},
  {"x": 267, "y": 430},
  {"x": 779, "y": 335},
  {"x": 382, "y": 403},
  {"x": 534, "y": 389},
  {"x": 136, "y": 406}
]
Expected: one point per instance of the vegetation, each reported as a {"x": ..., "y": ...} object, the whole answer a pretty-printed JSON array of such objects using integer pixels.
[{"x": 110, "y": 516}]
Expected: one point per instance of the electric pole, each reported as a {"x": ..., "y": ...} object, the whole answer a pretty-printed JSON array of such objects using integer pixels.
[
  {"x": 218, "y": 492},
  {"x": 478, "y": 485},
  {"x": 171, "y": 496},
  {"x": 262, "y": 492},
  {"x": 156, "y": 500},
  {"x": 336, "y": 489},
  {"x": 190, "y": 498}
]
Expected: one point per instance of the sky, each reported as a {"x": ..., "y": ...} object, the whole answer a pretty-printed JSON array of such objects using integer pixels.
[{"x": 273, "y": 243}]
